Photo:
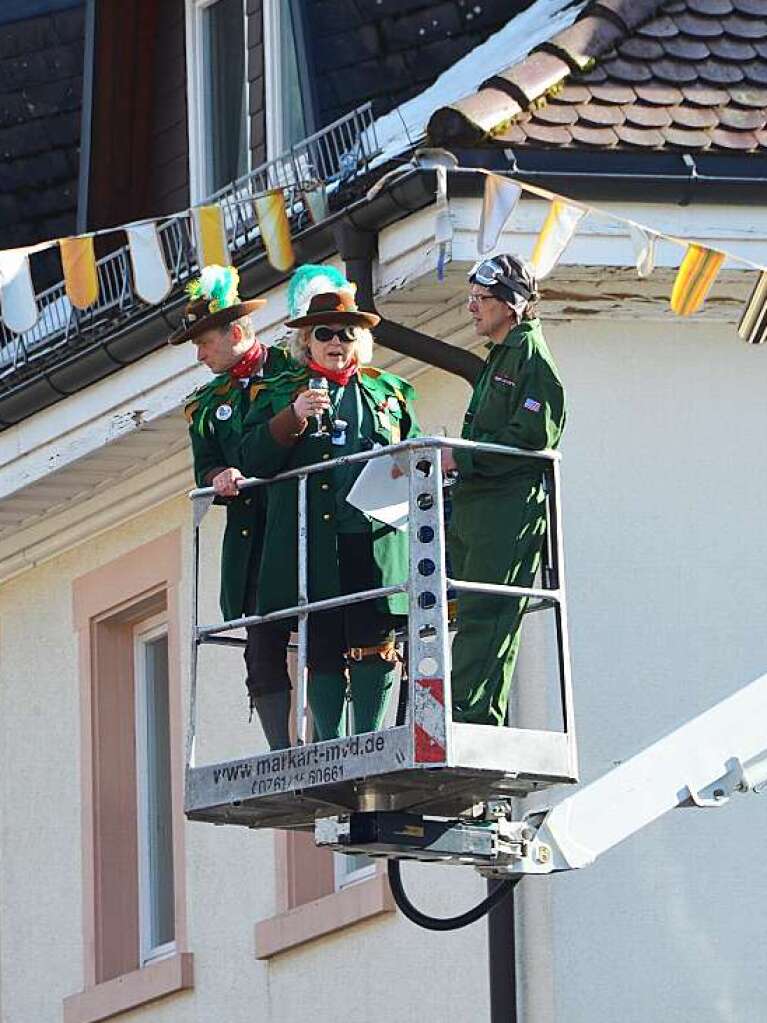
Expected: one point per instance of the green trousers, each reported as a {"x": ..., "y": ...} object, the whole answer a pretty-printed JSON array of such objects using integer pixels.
[
  {"x": 371, "y": 680},
  {"x": 495, "y": 536}
]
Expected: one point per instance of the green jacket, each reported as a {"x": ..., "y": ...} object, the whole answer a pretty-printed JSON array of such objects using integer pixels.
[
  {"x": 388, "y": 399},
  {"x": 518, "y": 400},
  {"x": 216, "y": 413}
]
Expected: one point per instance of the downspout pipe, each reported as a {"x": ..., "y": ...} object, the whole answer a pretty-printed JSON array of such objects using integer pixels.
[{"x": 357, "y": 248}]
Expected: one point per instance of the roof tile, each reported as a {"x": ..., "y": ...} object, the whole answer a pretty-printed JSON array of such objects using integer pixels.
[
  {"x": 613, "y": 93},
  {"x": 513, "y": 133},
  {"x": 659, "y": 95},
  {"x": 702, "y": 96},
  {"x": 630, "y": 13},
  {"x": 743, "y": 120},
  {"x": 746, "y": 28},
  {"x": 684, "y": 138},
  {"x": 573, "y": 93},
  {"x": 732, "y": 49},
  {"x": 741, "y": 140},
  {"x": 714, "y": 8},
  {"x": 599, "y": 114},
  {"x": 685, "y": 48},
  {"x": 532, "y": 78},
  {"x": 647, "y": 138},
  {"x": 659, "y": 28},
  {"x": 715, "y": 72},
  {"x": 603, "y": 138},
  {"x": 642, "y": 49},
  {"x": 627, "y": 70},
  {"x": 557, "y": 113},
  {"x": 699, "y": 27},
  {"x": 754, "y": 7},
  {"x": 586, "y": 39},
  {"x": 694, "y": 117},
  {"x": 553, "y": 135},
  {"x": 647, "y": 117},
  {"x": 748, "y": 97},
  {"x": 674, "y": 71},
  {"x": 756, "y": 72}
]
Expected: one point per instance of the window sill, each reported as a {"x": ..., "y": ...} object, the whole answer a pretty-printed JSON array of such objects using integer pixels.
[
  {"x": 323, "y": 916},
  {"x": 156, "y": 980}
]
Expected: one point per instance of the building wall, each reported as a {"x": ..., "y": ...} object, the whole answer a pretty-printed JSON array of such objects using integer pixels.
[{"x": 664, "y": 483}]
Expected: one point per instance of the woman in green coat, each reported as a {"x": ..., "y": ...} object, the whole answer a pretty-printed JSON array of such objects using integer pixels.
[{"x": 348, "y": 551}]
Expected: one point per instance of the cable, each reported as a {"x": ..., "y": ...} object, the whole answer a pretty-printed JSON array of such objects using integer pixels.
[{"x": 446, "y": 923}]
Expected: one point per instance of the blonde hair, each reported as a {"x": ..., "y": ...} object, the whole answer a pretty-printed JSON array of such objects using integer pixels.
[{"x": 362, "y": 349}]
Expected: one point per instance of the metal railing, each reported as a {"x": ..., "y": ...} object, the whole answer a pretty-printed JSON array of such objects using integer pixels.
[
  {"x": 427, "y": 584},
  {"x": 331, "y": 156}
]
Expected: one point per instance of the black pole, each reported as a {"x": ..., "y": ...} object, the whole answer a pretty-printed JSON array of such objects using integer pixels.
[{"x": 502, "y": 959}]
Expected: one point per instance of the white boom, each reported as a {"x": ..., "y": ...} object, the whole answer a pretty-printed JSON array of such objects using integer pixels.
[{"x": 702, "y": 763}]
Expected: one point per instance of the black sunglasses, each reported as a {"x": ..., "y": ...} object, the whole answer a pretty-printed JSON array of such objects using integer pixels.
[{"x": 325, "y": 334}]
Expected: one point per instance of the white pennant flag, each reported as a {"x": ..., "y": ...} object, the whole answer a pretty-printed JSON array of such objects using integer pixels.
[
  {"x": 151, "y": 279},
  {"x": 501, "y": 197},
  {"x": 644, "y": 249},
  {"x": 17, "y": 293},
  {"x": 555, "y": 236}
]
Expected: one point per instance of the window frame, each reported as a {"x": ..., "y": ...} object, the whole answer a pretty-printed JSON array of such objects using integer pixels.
[
  {"x": 145, "y": 632},
  {"x": 346, "y": 878},
  {"x": 200, "y": 186},
  {"x": 273, "y": 13}
]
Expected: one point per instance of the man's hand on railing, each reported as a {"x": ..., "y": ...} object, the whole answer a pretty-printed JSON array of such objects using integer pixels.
[
  {"x": 449, "y": 464},
  {"x": 225, "y": 483}
]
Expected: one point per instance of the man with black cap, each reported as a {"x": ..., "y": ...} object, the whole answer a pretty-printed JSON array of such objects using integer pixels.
[
  {"x": 498, "y": 520},
  {"x": 218, "y": 323}
]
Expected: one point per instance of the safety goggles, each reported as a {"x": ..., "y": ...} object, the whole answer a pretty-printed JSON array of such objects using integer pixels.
[
  {"x": 324, "y": 334},
  {"x": 488, "y": 272}
]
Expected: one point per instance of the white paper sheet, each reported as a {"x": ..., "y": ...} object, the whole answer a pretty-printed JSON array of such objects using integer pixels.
[{"x": 376, "y": 494}]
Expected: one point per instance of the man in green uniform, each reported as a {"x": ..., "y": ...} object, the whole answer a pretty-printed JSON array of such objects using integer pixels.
[
  {"x": 218, "y": 323},
  {"x": 498, "y": 521}
]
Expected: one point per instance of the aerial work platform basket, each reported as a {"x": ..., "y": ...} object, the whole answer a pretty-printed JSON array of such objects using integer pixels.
[{"x": 427, "y": 764}]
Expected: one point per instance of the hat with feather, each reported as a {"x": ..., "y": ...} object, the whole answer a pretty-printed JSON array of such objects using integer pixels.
[
  {"x": 214, "y": 301},
  {"x": 321, "y": 294}
]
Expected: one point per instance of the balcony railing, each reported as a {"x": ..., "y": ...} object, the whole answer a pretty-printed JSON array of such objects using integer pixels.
[{"x": 331, "y": 157}]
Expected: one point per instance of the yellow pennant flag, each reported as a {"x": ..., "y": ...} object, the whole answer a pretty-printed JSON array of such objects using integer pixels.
[
  {"x": 555, "y": 236},
  {"x": 81, "y": 278},
  {"x": 275, "y": 229},
  {"x": 210, "y": 232},
  {"x": 694, "y": 279}
]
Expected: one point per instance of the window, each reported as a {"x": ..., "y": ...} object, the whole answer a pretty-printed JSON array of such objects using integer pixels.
[
  {"x": 216, "y": 33},
  {"x": 134, "y": 914},
  {"x": 351, "y": 869},
  {"x": 155, "y": 810},
  {"x": 288, "y": 93}
]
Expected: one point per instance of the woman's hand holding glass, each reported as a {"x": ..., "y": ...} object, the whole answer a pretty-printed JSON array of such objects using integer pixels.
[{"x": 313, "y": 401}]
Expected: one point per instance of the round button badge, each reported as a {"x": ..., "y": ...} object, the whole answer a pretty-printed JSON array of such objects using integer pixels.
[{"x": 224, "y": 412}]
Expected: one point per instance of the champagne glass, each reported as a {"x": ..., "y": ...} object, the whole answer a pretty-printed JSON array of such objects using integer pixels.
[{"x": 318, "y": 384}]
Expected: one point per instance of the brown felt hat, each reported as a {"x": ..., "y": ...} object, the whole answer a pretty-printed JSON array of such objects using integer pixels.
[
  {"x": 197, "y": 318},
  {"x": 334, "y": 307}
]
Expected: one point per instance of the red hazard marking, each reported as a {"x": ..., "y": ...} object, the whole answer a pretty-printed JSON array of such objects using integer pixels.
[
  {"x": 436, "y": 687},
  {"x": 427, "y": 749}
]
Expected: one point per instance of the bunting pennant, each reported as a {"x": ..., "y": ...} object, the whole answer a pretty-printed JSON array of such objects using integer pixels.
[
  {"x": 210, "y": 232},
  {"x": 694, "y": 279},
  {"x": 315, "y": 200},
  {"x": 753, "y": 323},
  {"x": 17, "y": 293},
  {"x": 81, "y": 278},
  {"x": 555, "y": 236},
  {"x": 151, "y": 280},
  {"x": 275, "y": 229},
  {"x": 500, "y": 200},
  {"x": 644, "y": 249}
]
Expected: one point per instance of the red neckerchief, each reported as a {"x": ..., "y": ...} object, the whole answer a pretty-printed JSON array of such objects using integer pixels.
[
  {"x": 338, "y": 376},
  {"x": 249, "y": 364}
]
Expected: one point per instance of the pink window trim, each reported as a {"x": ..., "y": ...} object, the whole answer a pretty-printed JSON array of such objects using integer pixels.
[{"x": 142, "y": 577}]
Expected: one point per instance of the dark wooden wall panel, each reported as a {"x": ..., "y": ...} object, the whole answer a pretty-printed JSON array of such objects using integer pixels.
[
  {"x": 256, "y": 91},
  {"x": 169, "y": 187}
]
